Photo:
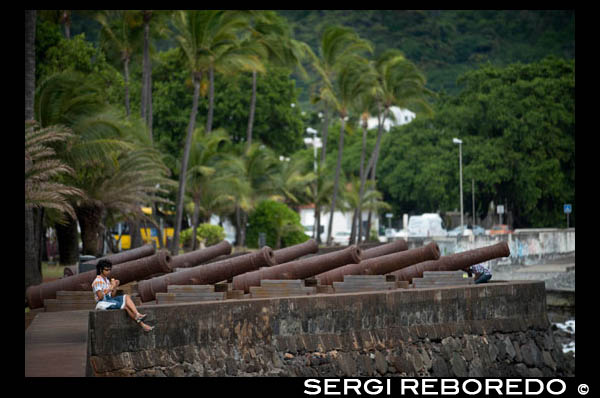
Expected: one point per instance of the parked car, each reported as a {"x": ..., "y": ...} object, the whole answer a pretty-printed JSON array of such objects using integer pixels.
[
  {"x": 341, "y": 238},
  {"x": 477, "y": 230},
  {"x": 461, "y": 230},
  {"x": 500, "y": 229}
]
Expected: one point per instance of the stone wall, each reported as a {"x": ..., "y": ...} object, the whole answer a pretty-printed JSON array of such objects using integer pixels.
[{"x": 497, "y": 329}]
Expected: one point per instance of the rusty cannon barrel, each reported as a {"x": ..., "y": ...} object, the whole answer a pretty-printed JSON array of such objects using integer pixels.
[
  {"x": 293, "y": 252},
  {"x": 381, "y": 265},
  {"x": 127, "y": 255},
  {"x": 299, "y": 269},
  {"x": 197, "y": 257},
  {"x": 387, "y": 248},
  {"x": 124, "y": 272},
  {"x": 207, "y": 274},
  {"x": 454, "y": 262}
]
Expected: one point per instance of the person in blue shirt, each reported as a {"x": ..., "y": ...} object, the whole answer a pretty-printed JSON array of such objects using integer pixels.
[{"x": 482, "y": 273}]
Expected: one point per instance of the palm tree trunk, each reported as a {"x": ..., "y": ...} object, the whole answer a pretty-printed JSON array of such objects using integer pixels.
[
  {"x": 30, "y": 16},
  {"x": 324, "y": 131},
  {"x": 374, "y": 158},
  {"x": 211, "y": 99},
  {"x": 33, "y": 264},
  {"x": 68, "y": 242},
  {"x": 317, "y": 223},
  {"x": 66, "y": 21},
  {"x": 144, "y": 96},
  {"x": 362, "y": 182},
  {"x": 353, "y": 228},
  {"x": 89, "y": 217},
  {"x": 184, "y": 164},
  {"x": 337, "y": 179},
  {"x": 126, "y": 77},
  {"x": 252, "y": 109},
  {"x": 195, "y": 223}
]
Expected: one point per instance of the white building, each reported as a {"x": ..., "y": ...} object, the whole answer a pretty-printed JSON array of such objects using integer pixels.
[
  {"x": 400, "y": 117},
  {"x": 342, "y": 222}
]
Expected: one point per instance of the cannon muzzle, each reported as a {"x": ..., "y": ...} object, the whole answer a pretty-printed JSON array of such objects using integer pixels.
[{"x": 454, "y": 262}]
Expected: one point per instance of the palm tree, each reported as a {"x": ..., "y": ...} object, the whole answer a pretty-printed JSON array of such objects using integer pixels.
[
  {"x": 121, "y": 32},
  {"x": 291, "y": 179},
  {"x": 400, "y": 83},
  {"x": 352, "y": 81},
  {"x": 338, "y": 50},
  {"x": 203, "y": 36},
  {"x": 33, "y": 264},
  {"x": 115, "y": 165},
  {"x": 204, "y": 154},
  {"x": 249, "y": 175},
  {"x": 42, "y": 189},
  {"x": 269, "y": 36}
]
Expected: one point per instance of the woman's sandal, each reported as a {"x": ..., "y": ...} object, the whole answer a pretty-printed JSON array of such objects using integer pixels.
[
  {"x": 140, "y": 317},
  {"x": 150, "y": 328}
]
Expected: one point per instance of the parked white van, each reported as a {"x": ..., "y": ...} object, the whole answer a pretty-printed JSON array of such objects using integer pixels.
[{"x": 427, "y": 224}]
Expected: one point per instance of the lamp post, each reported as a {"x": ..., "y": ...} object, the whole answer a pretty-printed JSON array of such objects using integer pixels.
[
  {"x": 459, "y": 142},
  {"x": 313, "y": 132}
]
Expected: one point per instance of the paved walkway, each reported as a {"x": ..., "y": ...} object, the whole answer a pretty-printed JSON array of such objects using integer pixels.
[{"x": 56, "y": 344}]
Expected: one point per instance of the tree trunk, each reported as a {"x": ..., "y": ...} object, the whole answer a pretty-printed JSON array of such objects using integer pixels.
[
  {"x": 318, "y": 223},
  {"x": 325, "y": 130},
  {"x": 353, "y": 228},
  {"x": 211, "y": 99},
  {"x": 195, "y": 223},
  {"x": 126, "y": 77},
  {"x": 362, "y": 181},
  {"x": 184, "y": 164},
  {"x": 89, "y": 217},
  {"x": 336, "y": 181},
  {"x": 135, "y": 235},
  {"x": 68, "y": 242},
  {"x": 29, "y": 63},
  {"x": 33, "y": 265},
  {"x": 252, "y": 109},
  {"x": 147, "y": 76}
]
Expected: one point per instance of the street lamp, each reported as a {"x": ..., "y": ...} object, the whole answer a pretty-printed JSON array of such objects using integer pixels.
[
  {"x": 459, "y": 142},
  {"x": 314, "y": 142}
]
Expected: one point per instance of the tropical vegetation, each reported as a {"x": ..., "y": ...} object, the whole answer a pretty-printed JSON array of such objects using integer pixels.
[{"x": 201, "y": 114}]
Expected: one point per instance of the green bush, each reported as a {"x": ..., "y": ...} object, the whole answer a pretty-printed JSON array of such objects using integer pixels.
[
  {"x": 276, "y": 220},
  {"x": 208, "y": 233}
]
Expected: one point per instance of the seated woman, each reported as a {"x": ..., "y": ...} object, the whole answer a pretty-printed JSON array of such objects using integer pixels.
[{"x": 104, "y": 290}]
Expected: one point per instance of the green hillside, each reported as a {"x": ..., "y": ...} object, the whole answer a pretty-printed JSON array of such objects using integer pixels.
[{"x": 446, "y": 43}]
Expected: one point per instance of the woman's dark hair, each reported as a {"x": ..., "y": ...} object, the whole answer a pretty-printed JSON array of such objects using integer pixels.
[{"x": 102, "y": 264}]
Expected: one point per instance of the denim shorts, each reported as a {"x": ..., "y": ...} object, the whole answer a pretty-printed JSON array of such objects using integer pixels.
[
  {"x": 118, "y": 303},
  {"x": 484, "y": 278}
]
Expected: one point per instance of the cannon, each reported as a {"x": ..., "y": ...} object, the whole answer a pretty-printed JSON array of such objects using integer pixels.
[
  {"x": 124, "y": 272},
  {"x": 299, "y": 269},
  {"x": 127, "y": 255},
  {"x": 381, "y": 265},
  {"x": 454, "y": 262},
  {"x": 197, "y": 257},
  {"x": 293, "y": 252},
  {"x": 387, "y": 248},
  {"x": 206, "y": 274}
]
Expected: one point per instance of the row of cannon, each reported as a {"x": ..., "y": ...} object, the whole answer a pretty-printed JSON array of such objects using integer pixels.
[{"x": 154, "y": 270}]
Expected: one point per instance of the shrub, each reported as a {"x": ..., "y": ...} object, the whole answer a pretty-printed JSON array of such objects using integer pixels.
[
  {"x": 278, "y": 222},
  {"x": 207, "y": 233}
]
